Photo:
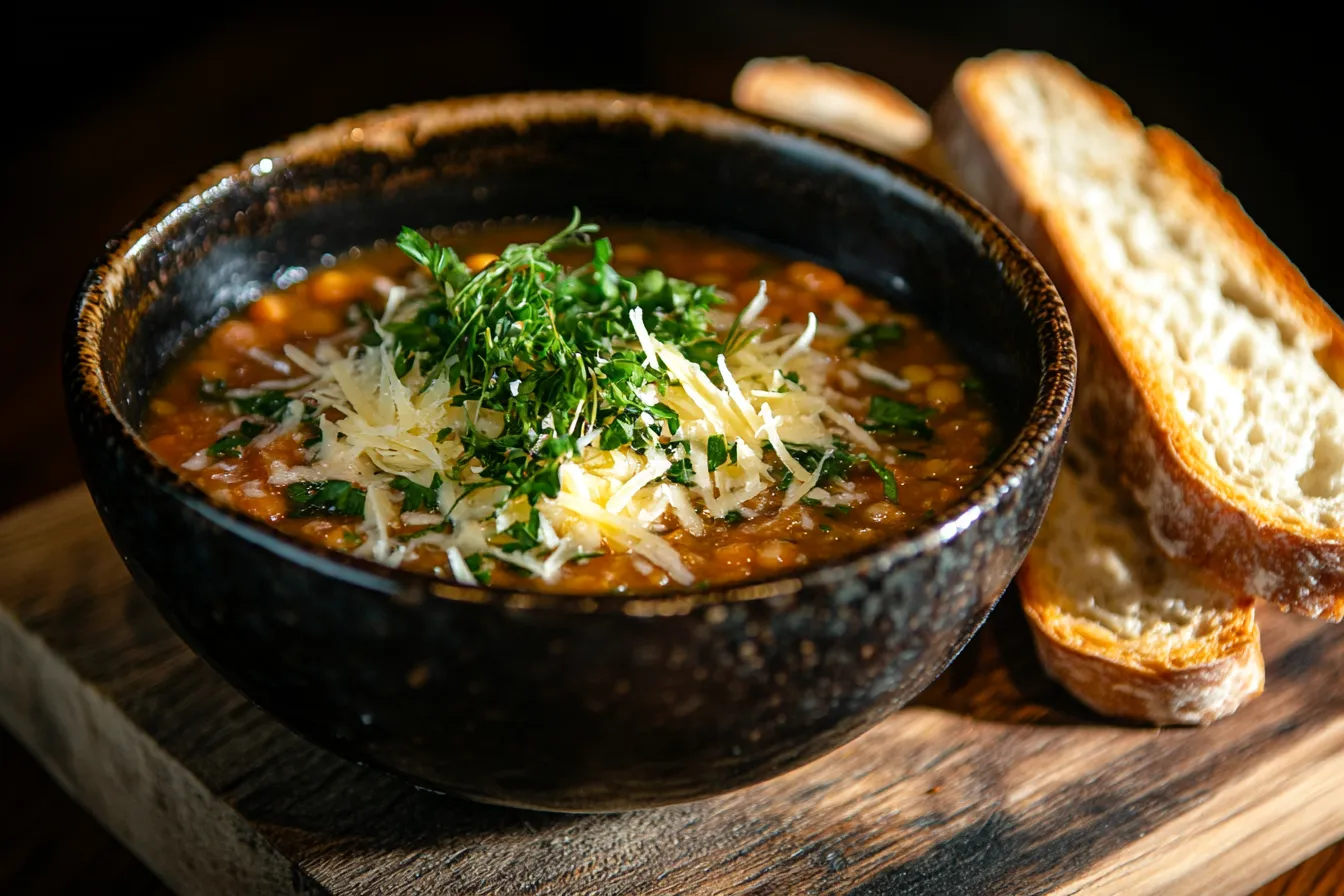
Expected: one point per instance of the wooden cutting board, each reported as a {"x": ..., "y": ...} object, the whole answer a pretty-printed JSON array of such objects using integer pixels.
[{"x": 995, "y": 782}]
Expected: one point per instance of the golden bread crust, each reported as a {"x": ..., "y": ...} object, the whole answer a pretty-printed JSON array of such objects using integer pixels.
[
  {"x": 833, "y": 100},
  {"x": 1195, "y": 515}
]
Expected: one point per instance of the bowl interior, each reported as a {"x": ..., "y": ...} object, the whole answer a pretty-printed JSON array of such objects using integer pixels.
[{"x": 875, "y": 223}]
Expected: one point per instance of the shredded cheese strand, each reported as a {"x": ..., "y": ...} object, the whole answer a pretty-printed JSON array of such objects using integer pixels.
[{"x": 395, "y": 426}]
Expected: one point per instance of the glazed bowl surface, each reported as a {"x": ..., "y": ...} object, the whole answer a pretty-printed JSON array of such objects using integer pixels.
[{"x": 571, "y": 703}]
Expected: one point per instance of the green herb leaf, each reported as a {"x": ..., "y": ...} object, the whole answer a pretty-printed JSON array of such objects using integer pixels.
[
  {"x": 418, "y": 497},
  {"x": 601, "y": 252},
  {"x": 888, "y": 478},
  {"x": 271, "y": 403},
  {"x": 333, "y": 497},
  {"x": 717, "y": 450},
  {"x": 876, "y": 335},
  {"x": 559, "y": 447},
  {"x": 617, "y": 433},
  {"x": 526, "y": 536},
  {"x": 733, "y": 516},
  {"x": 663, "y": 412},
  {"x": 442, "y": 262},
  {"x": 476, "y": 563},
  {"x": 896, "y": 417},
  {"x": 736, "y": 338},
  {"x": 681, "y": 472},
  {"x": 232, "y": 444}
]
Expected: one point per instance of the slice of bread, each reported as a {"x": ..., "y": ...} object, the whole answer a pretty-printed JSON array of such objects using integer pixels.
[
  {"x": 835, "y": 101},
  {"x": 1127, "y": 631},
  {"x": 1210, "y": 370}
]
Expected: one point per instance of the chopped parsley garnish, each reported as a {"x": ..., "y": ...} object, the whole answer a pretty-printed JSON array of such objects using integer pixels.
[
  {"x": 837, "y": 465},
  {"x": 271, "y": 403},
  {"x": 889, "y": 489},
  {"x": 620, "y": 431},
  {"x": 418, "y": 497},
  {"x": 893, "y": 417},
  {"x": 476, "y": 563},
  {"x": 973, "y": 384},
  {"x": 334, "y": 497},
  {"x": 717, "y": 449},
  {"x": 529, "y": 359},
  {"x": 526, "y": 536},
  {"x": 232, "y": 444},
  {"x": 875, "y": 336},
  {"x": 552, "y": 351},
  {"x": 681, "y": 472}
]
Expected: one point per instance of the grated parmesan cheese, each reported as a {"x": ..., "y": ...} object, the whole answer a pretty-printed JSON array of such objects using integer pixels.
[
  {"x": 615, "y": 500},
  {"x": 881, "y": 377}
]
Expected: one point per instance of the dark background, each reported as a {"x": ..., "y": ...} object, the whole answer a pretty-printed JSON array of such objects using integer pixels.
[{"x": 105, "y": 114}]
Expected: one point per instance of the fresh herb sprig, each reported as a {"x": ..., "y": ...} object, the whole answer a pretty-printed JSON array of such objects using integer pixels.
[{"x": 551, "y": 350}]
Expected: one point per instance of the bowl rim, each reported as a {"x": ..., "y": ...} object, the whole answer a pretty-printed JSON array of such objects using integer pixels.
[{"x": 397, "y": 131}]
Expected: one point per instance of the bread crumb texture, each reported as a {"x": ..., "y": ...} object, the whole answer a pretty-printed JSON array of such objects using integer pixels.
[
  {"x": 1201, "y": 313},
  {"x": 1105, "y": 572}
]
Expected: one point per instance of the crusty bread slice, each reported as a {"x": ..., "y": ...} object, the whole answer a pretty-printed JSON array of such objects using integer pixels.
[
  {"x": 833, "y": 100},
  {"x": 1210, "y": 369},
  {"x": 1128, "y": 632}
]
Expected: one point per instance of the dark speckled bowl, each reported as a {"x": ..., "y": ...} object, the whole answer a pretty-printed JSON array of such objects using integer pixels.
[{"x": 567, "y": 703}]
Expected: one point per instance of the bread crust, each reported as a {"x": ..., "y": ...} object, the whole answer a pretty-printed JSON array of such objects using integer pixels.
[
  {"x": 1194, "y": 514},
  {"x": 1196, "y": 683},
  {"x": 834, "y": 100}
]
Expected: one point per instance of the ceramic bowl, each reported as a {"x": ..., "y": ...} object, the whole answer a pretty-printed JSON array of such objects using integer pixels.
[{"x": 571, "y": 703}]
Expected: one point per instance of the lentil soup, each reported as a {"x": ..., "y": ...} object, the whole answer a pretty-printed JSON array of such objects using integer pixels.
[{"x": 642, "y": 410}]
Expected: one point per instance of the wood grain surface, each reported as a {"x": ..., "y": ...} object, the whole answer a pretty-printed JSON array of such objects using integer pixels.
[{"x": 994, "y": 783}]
